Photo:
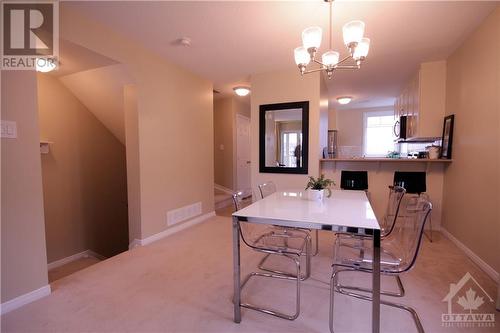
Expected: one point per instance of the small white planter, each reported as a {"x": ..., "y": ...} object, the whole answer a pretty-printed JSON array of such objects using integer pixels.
[{"x": 315, "y": 195}]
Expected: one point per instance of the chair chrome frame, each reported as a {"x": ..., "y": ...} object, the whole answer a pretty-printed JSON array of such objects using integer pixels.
[
  {"x": 426, "y": 197},
  {"x": 384, "y": 233},
  {"x": 335, "y": 286},
  {"x": 293, "y": 256},
  {"x": 316, "y": 234}
]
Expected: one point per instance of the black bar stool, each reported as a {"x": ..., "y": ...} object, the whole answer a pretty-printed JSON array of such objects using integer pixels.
[{"x": 354, "y": 180}]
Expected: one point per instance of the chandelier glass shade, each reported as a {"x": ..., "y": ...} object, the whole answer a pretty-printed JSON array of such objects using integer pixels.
[{"x": 354, "y": 40}]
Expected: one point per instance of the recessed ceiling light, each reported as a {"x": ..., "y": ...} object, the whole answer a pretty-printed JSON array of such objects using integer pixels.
[
  {"x": 344, "y": 100},
  {"x": 182, "y": 41},
  {"x": 241, "y": 91},
  {"x": 45, "y": 65}
]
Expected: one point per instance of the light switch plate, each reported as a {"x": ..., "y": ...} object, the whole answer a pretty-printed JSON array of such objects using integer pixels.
[{"x": 9, "y": 129}]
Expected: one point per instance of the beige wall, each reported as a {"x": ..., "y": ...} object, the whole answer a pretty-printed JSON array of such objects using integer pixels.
[
  {"x": 280, "y": 87},
  {"x": 24, "y": 260},
  {"x": 471, "y": 183},
  {"x": 324, "y": 115},
  {"x": 432, "y": 98},
  {"x": 241, "y": 106},
  {"x": 332, "y": 118},
  {"x": 84, "y": 177},
  {"x": 175, "y": 117},
  {"x": 133, "y": 171},
  {"x": 224, "y": 122}
]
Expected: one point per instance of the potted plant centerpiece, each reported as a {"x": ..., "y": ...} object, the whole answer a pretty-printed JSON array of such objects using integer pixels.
[{"x": 316, "y": 188}]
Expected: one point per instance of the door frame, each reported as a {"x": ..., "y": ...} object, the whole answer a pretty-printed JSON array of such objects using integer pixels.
[{"x": 235, "y": 149}]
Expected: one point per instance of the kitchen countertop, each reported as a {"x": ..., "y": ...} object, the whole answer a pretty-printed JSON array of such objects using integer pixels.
[{"x": 367, "y": 159}]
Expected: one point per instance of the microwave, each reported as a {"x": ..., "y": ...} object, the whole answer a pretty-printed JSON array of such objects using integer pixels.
[{"x": 402, "y": 127}]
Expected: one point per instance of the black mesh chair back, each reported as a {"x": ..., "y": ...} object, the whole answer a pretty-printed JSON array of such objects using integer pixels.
[
  {"x": 354, "y": 180},
  {"x": 412, "y": 182}
]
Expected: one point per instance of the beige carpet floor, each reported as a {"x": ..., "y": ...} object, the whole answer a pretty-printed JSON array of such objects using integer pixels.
[{"x": 183, "y": 283}]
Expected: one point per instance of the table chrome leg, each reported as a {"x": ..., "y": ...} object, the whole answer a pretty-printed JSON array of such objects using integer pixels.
[
  {"x": 376, "y": 283},
  {"x": 236, "y": 270}
]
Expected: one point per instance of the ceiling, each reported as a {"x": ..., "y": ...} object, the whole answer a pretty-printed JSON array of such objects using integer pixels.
[
  {"x": 74, "y": 58},
  {"x": 233, "y": 40}
]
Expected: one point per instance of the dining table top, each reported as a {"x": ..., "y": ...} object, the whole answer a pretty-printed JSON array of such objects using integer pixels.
[{"x": 345, "y": 210}]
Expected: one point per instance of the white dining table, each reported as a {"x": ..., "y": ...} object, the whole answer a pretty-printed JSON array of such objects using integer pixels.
[{"x": 344, "y": 211}]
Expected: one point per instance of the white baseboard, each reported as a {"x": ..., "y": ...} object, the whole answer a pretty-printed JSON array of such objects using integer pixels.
[
  {"x": 171, "y": 230},
  {"x": 224, "y": 203},
  {"x": 24, "y": 299},
  {"x": 64, "y": 261},
  {"x": 474, "y": 257},
  {"x": 135, "y": 243},
  {"x": 223, "y": 189}
]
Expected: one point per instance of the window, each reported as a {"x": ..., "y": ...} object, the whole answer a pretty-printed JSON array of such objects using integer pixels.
[
  {"x": 378, "y": 130},
  {"x": 290, "y": 148}
]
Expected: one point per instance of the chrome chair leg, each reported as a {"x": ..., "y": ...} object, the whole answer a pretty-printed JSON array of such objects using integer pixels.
[
  {"x": 333, "y": 283},
  {"x": 336, "y": 287},
  {"x": 399, "y": 293},
  {"x": 429, "y": 237},
  {"x": 277, "y": 276},
  {"x": 308, "y": 263}
]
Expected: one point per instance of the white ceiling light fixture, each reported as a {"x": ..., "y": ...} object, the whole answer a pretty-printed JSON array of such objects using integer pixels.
[
  {"x": 357, "y": 45},
  {"x": 241, "y": 91},
  {"x": 344, "y": 100},
  {"x": 184, "y": 41},
  {"x": 45, "y": 65}
]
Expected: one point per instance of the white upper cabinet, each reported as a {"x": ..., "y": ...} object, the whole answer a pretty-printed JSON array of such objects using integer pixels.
[{"x": 423, "y": 99}]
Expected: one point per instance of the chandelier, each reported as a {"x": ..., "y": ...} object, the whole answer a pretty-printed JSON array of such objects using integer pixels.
[{"x": 357, "y": 45}]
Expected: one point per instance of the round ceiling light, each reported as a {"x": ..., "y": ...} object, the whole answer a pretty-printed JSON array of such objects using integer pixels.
[
  {"x": 241, "y": 91},
  {"x": 344, "y": 100},
  {"x": 45, "y": 65},
  {"x": 185, "y": 41}
]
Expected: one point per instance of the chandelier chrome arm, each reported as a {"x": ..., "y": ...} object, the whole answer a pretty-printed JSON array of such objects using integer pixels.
[
  {"x": 344, "y": 59},
  {"x": 313, "y": 71},
  {"x": 348, "y": 67}
]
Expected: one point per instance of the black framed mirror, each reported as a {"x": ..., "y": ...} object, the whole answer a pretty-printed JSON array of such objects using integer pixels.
[{"x": 284, "y": 138}]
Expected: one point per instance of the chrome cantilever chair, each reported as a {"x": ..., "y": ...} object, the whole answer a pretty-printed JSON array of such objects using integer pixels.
[
  {"x": 266, "y": 189},
  {"x": 267, "y": 239},
  {"x": 387, "y": 224},
  {"x": 269, "y": 188},
  {"x": 416, "y": 186},
  {"x": 399, "y": 252},
  {"x": 396, "y": 194}
]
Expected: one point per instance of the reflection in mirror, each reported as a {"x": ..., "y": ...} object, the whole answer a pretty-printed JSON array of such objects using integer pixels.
[
  {"x": 284, "y": 138},
  {"x": 283, "y": 134}
]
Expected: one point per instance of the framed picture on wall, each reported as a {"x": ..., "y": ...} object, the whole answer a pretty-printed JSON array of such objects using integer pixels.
[{"x": 447, "y": 138}]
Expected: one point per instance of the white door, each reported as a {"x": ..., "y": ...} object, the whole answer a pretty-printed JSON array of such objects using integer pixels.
[{"x": 243, "y": 153}]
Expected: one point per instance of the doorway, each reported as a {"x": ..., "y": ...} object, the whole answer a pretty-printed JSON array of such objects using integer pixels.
[
  {"x": 243, "y": 161},
  {"x": 84, "y": 170}
]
